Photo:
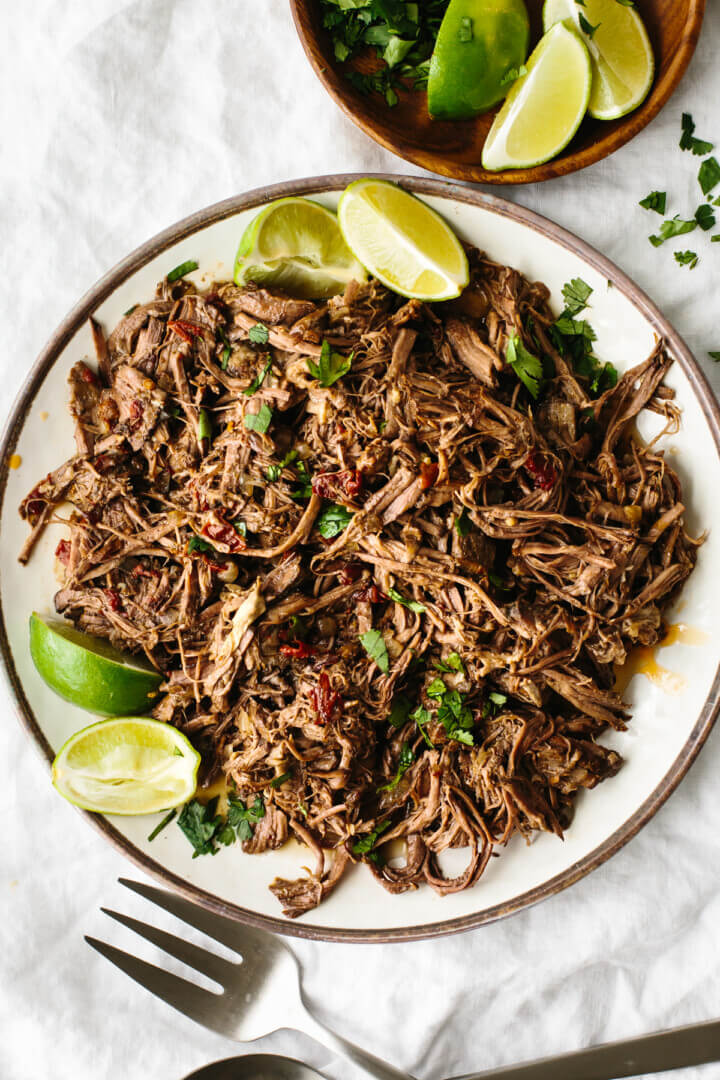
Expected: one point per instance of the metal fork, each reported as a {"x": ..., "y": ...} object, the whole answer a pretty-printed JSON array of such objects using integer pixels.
[{"x": 248, "y": 1008}]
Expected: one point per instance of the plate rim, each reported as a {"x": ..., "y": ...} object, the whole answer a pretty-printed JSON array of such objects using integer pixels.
[
  {"x": 630, "y": 125},
  {"x": 317, "y": 185}
]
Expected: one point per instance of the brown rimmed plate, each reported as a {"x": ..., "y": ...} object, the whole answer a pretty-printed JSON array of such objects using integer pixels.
[
  {"x": 670, "y": 722},
  {"x": 454, "y": 148}
]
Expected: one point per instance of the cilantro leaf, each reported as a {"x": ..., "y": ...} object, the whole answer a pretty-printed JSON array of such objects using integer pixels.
[
  {"x": 259, "y": 421},
  {"x": 400, "y": 711},
  {"x": 436, "y": 688},
  {"x": 278, "y": 781},
  {"x": 672, "y": 227},
  {"x": 687, "y": 258},
  {"x": 586, "y": 26},
  {"x": 714, "y": 356},
  {"x": 243, "y": 818},
  {"x": 423, "y": 716},
  {"x": 413, "y": 605},
  {"x": 452, "y": 662},
  {"x": 576, "y": 294},
  {"x": 331, "y": 367},
  {"x": 196, "y": 543},
  {"x": 200, "y": 824},
  {"x": 656, "y": 200},
  {"x": 333, "y": 520},
  {"x": 709, "y": 174},
  {"x": 204, "y": 425},
  {"x": 257, "y": 381},
  {"x": 405, "y": 760},
  {"x": 463, "y": 524},
  {"x": 688, "y": 140},
  {"x": 374, "y": 645},
  {"x": 181, "y": 270},
  {"x": 259, "y": 334},
  {"x": 526, "y": 366},
  {"x": 705, "y": 217},
  {"x": 368, "y": 842}
]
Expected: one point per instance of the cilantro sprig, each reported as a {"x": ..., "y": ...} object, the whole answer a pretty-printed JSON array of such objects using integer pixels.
[{"x": 331, "y": 365}]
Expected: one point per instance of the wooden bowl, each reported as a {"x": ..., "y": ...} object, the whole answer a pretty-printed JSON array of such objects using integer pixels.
[{"x": 454, "y": 148}]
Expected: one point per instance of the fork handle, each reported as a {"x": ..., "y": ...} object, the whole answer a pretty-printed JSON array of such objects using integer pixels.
[
  {"x": 368, "y": 1063},
  {"x": 664, "y": 1051}
]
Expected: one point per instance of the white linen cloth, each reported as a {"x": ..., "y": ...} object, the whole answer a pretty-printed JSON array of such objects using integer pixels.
[{"x": 118, "y": 118}]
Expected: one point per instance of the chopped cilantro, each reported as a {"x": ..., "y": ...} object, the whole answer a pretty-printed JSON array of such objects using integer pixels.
[
  {"x": 400, "y": 711},
  {"x": 259, "y": 421},
  {"x": 405, "y": 760},
  {"x": 368, "y": 842},
  {"x": 333, "y": 520},
  {"x": 259, "y": 334},
  {"x": 526, "y": 366},
  {"x": 423, "y": 716},
  {"x": 714, "y": 356},
  {"x": 331, "y": 367},
  {"x": 257, "y": 381},
  {"x": 576, "y": 294},
  {"x": 672, "y": 227},
  {"x": 687, "y": 258},
  {"x": 688, "y": 140},
  {"x": 656, "y": 200},
  {"x": 201, "y": 824},
  {"x": 709, "y": 175},
  {"x": 705, "y": 217},
  {"x": 463, "y": 524},
  {"x": 181, "y": 270},
  {"x": 452, "y": 662},
  {"x": 586, "y": 26},
  {"x": 244, "y": 818},
  {"x": 195, "y": 543},
  {"x": 413, "y": 605},
  {"x": 374, "y": 645}
]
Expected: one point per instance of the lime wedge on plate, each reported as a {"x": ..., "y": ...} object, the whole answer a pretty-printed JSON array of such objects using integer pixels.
[
  {"x": 620, "y": 50},
  {"x": 401, "y": 241},
  {"x": 545, "y": 107},
  {"x": 89, "y": 672},
  {"x": 477, "y": 44},
  {"x": 127, "y": 766},
  {"x": 295, "y": 244}
]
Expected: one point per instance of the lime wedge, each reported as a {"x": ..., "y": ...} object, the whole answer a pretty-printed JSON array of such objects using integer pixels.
[
  {"x": 622, "y": 58},
  {"x": 89, "y": 672},
  {"x": 127, "y": 766},
  {"x": 295, "y": 244},
  {"x": 545, "y": 107},
  {"x": 401, "y": 241},
  {"x": 477, "y": 44}
]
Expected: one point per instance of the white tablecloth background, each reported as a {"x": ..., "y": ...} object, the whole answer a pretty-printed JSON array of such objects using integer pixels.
[{"x": 118, "y": 118}]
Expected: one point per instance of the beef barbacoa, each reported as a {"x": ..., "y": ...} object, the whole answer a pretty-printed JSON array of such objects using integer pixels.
[{"x": 389, "y": 606}]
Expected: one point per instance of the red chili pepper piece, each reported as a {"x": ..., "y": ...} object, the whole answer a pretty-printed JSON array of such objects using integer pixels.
[
  {"x": 223, "y": 533},
  {"x": 349, "y": 573},
  {"x": 429, "y": 473},
  {"x": 62, "y": 552},
  {"x": 301, "y": 651},
  {"x": 372, "y": 595},
  {"x": 326, "y": 701},
  {"x": 87, "y": 375},
  {"x": 136, "y": 412},
  {"x": 348, "y": 482},
  {"x": 113, "y": 599},
  {"x": 541, "y": 471},
  {"x": 186, "y": 330}
]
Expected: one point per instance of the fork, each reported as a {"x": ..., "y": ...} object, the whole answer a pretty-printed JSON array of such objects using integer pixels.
[{"x": 248, "y": 1007}]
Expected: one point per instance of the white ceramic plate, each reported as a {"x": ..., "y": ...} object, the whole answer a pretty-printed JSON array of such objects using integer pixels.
[{"x": 669, "y": 723}]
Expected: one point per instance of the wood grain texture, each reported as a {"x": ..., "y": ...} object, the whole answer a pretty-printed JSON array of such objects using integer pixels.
[{"x": 454, "y": 148}]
